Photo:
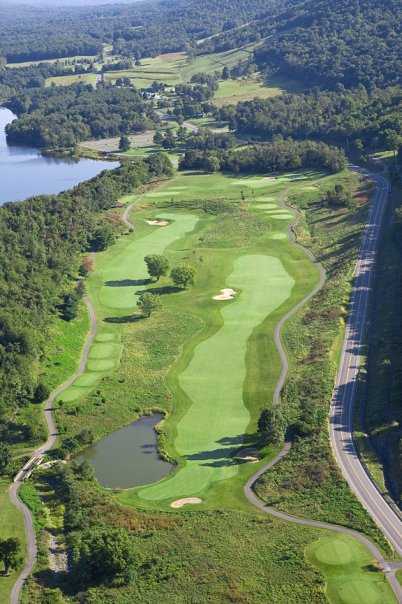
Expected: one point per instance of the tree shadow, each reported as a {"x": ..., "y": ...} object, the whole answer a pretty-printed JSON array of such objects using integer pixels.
[
  {"x": 128, "y": 282},
  {"x": 125, "y": 319},
  {"x": 160, "y": 290}
]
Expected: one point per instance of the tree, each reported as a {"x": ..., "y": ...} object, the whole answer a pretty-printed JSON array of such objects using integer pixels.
[
  {"x": 124, "y": 144},
  {"x": 102, "y": 238},
  {"x": 5, "y": 457},
  {"x": 41, "y": 393},
  {"x": 271, "y": 425},
  {"x": 158, "y": 138},
  {"x": 157, "y": 265},
  {"x": 225, "y": 73},
  {"x": 148, "y": 303},
  {"x": 10, "y": 554},
  {"x": 102, "y": 555},
  {"x": 183, "y": 275}
]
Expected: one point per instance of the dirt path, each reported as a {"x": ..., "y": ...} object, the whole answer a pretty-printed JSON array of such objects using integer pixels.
[
  {"x": 389, "y": 568},
  {"x": 125, "y": 217},
  {"x": 40, "y": 451}
]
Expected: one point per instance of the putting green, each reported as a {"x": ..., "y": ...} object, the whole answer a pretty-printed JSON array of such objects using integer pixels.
[
  {"x": 213, "y": 427},
  {"x": 126, "y": 273},
  {"x": 349, "y": 570}
]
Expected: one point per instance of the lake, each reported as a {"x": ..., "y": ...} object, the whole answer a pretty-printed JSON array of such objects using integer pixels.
[
  {"x": 24, "y": 172},
  {"x": 128, "y": 457}
]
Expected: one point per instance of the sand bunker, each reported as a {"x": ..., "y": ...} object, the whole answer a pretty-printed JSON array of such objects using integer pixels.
[
  {"x": 250, "y": 455},
  {"x": 226, "y": 294},
  {"x": 188, "y": 500},
  {"x": 157, "y": 222}
]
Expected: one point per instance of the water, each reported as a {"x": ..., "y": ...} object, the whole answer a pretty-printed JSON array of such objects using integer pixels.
[
  {"x": 128, "y": 457},
  {"x": 24, "y": 172}
]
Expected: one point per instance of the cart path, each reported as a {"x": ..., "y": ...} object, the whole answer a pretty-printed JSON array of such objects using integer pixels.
[
  {"x": 389, "y": 567},
  {"x": 31, "y": 552}
]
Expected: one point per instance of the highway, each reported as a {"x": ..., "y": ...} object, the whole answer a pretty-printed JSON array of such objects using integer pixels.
[{"x": 341, "y": 412}]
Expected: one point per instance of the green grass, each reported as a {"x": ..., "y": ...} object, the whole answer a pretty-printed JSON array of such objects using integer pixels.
[
  {"x": 68, "y": 80},
  {"x": 307, "y": 482},
  {"x": 211, "y": 431},
  {"x": 231, "y": 92},
  {"x": 349, "y": 571},
  {"x": 66, "y": 340},
  {"x": 11, "y": 525}
]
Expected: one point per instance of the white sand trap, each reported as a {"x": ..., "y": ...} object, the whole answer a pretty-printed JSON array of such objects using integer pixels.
[
  {"x": 266, "y": 198},
  {"x": 186, "y": 501},
  {"x": 160, "y": 223},
  {"x": 226, "y": 294},
  {"x": 250, "y": 455},
  {"x": 278, "y": 236}
]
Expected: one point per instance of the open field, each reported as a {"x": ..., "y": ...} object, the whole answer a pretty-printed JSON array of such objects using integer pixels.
[
  {"x": 349, "y": 572},
  {"x": 231, "y": 92},
  {"x": 67, "y": 80}
]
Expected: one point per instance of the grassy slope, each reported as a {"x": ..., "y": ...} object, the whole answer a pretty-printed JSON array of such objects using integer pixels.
[{"x": 307, "y": 482}]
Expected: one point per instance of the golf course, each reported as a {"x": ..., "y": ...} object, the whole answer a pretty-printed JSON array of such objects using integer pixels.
[{"x": 207, "y": 359}]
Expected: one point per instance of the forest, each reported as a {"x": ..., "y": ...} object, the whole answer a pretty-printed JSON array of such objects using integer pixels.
[
  {"x": 61, "y": 117},
  {"x": 351, "y": 118},
  {"x": 41, "y": 240},
  {"x": 279, "y": 156},
  {"x": 46, "y": 34}
]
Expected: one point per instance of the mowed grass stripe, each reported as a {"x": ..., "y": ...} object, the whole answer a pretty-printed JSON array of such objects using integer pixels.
[{"x": 214, "y": 426}]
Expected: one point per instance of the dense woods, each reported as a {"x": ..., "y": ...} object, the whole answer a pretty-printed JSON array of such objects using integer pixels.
[
  {"x": 40, "y": 244},
  {"x": 275, "y": 157},
  {"x": 164, "y": 26},
  {"x": 343, "y": 41},
  {"x": 61, "y": 117},
  {"x": 366, "y": 119}
]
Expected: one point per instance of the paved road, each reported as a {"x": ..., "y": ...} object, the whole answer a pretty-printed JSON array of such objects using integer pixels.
[
  {"x": 40, "y": 451},
  {"x": 341, "y": 414}
]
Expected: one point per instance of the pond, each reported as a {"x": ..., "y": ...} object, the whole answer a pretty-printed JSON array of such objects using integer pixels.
[
  {"x": 128, "y": 457},
  {"x": 24, "y": 172}
]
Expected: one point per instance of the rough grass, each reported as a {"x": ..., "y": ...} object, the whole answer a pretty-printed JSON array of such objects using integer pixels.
[
  {"x": 349, "y": 571},
  {"x": 11, "y": 525},
  {"x": 308, "y": 483}
]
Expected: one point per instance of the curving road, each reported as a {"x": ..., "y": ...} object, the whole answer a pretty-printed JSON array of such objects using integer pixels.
[
  {"x": 39, "y": 452},
  {"x": 341, "y": 414}
]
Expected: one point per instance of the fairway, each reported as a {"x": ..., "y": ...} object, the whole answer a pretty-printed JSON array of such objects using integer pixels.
[
  {"x": 214, "y": 426},
  {"x": 122, "y": 273},
  {"x": 349, "y": 570}
]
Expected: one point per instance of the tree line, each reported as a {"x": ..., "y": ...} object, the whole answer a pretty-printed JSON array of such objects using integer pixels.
[
  {"x": 280, "y": 155},
  {"x": 64, "y": 116},
  {"x": 41, "y": 243},
  {"x": 351, "y": 118}
]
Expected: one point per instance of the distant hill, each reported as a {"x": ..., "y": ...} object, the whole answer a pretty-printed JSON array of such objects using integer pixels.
[{"x": 325, "y": 42}]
